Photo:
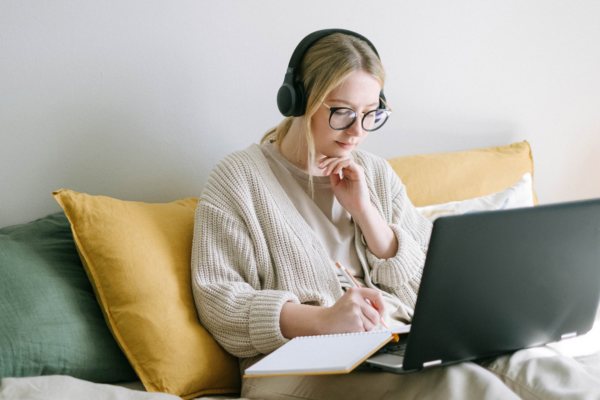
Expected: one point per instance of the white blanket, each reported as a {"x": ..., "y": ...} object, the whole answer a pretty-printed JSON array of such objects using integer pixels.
[{"x": 62, "y": 387}]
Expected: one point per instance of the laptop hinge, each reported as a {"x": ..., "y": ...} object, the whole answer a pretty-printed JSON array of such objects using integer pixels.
[
  {"x": 568, "y": 335},
  {"x": 431, "y": 363}
]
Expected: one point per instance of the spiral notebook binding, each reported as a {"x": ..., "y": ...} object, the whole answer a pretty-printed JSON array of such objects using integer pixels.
[{"x": 342, "y": 334}]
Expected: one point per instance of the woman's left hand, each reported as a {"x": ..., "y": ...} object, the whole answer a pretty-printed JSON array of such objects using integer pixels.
[
  {"x": 352, "y": 193},
  {"x": 351, "y": 190}
]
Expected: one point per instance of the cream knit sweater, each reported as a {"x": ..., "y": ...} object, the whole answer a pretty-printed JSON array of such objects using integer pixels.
[{"x": 252, "y": 251}]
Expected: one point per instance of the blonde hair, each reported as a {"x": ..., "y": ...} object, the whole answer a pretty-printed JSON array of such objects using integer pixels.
[{"x": 325, "y": 66}]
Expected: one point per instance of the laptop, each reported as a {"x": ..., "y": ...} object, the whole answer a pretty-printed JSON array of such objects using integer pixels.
[{"x": 499, "y": 281}]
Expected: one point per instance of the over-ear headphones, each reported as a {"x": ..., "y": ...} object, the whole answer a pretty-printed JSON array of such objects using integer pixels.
[{"x": 290, "y": 97}]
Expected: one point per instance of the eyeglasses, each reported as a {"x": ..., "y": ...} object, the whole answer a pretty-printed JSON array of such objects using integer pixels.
[{"x": 343, "y": 117}]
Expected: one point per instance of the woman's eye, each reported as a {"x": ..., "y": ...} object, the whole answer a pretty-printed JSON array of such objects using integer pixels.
[{"x": 345, "y": 113}]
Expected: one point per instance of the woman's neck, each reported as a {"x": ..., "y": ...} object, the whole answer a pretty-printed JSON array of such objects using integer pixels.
[{"x": 294, "y": 148}]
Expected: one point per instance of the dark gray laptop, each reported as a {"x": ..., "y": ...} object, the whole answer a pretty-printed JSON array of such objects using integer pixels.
[{"x": 495, "y": 282}]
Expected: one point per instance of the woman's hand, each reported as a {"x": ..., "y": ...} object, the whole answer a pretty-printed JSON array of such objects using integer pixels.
[
  {"x": 352, "y": 193},
  {"x": 351, "y": 190},
  {"x": 351, "y": 313}
]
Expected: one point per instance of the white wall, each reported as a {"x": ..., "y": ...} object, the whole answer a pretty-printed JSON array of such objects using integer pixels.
[{"x": 137, "y": 100}]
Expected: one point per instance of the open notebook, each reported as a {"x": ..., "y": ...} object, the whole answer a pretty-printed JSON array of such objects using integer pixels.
[{"x": 325, "y": 354}]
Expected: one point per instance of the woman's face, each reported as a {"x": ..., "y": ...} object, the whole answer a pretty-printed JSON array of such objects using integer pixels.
[{"x": 360, "y": 92}]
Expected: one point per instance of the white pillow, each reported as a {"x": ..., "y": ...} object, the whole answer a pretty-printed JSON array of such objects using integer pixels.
[{"x": 516, "y": 196}]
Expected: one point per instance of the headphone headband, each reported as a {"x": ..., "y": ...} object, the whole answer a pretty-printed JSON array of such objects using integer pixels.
[
  {"x": 290, "y": 97},
  {"x": 309, "y": 40}
]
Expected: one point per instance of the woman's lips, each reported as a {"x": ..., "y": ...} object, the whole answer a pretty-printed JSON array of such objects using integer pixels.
[{"x": 345, "y": 146}]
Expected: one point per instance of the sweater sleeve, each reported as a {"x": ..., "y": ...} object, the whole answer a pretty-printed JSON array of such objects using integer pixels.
[
  {"x": 226, "y": 285},
  {"x": 401, "y": 274}
]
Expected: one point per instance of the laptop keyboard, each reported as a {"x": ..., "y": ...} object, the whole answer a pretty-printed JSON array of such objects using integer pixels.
[{"x": 397, "y": 349}]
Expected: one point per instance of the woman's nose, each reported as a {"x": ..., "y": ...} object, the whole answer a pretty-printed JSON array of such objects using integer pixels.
[{"x": 356, "y": 128}]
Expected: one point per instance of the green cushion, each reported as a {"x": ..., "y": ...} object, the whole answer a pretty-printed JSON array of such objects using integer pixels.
[{"x": 50, "y": 321}]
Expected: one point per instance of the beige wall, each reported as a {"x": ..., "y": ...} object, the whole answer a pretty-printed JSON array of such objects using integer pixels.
[{"x": 139, "y": 99}]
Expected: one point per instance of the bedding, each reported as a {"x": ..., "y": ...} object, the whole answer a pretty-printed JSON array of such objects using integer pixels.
[
  {"x": 68, "y": 388},
  {"x": 61, "y": 387}
]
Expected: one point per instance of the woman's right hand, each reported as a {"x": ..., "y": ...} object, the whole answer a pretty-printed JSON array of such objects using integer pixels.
[{"x": 352, "y": 313}]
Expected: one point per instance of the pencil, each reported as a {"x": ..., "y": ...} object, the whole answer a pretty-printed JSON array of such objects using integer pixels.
[{"x": 354, "y": 283}]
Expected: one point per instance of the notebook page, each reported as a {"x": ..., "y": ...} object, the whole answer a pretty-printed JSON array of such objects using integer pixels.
[
  {"x": 320, "y": 354},
  {"x": 401, "y": 329}
]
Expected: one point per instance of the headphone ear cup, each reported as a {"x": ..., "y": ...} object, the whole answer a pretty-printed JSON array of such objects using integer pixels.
[
  {"x": 286, "y": 99},
  {"x": 300, "y": 100}
]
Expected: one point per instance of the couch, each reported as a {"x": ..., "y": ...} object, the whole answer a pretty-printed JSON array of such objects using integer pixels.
[{"x": 99, "y": 293}]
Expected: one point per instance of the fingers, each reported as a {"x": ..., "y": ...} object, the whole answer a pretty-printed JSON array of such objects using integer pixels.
[
  {"x": 377, "y": 302},
  {"x": 326, "y": 161},
  {"x": 369, "y": 313},
  {"x": 376, "y": 299},
  {"x": 335, "y": 165},
  {"x": 334, "y": 179},
  {"x": 332, "y": 164},
  {"x": 367, "y": 323}
]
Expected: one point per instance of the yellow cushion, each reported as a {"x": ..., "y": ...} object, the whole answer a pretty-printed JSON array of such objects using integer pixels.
[
  {"x": 443, "y": 177},
  {"x": 137, "y": 256}
]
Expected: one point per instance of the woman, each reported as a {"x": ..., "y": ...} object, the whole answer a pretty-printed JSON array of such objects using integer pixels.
[{"x": 274, "y": 218}]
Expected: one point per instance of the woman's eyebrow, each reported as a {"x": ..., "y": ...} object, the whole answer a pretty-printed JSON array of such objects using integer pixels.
[{"x": 345, "y": 102}]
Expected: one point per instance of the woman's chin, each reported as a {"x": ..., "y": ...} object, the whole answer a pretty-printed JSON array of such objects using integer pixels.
[
  {"x": 336, "y": 154},
  {"x": 334, "y": 151},
  {"x": 338, "y": 150}
]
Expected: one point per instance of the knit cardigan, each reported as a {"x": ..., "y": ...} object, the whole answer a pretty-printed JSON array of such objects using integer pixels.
[{"x": 252, "y": 251}]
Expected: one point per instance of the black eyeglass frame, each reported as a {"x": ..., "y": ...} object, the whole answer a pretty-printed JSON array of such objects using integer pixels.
[{"x": 388, "y": 112}]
